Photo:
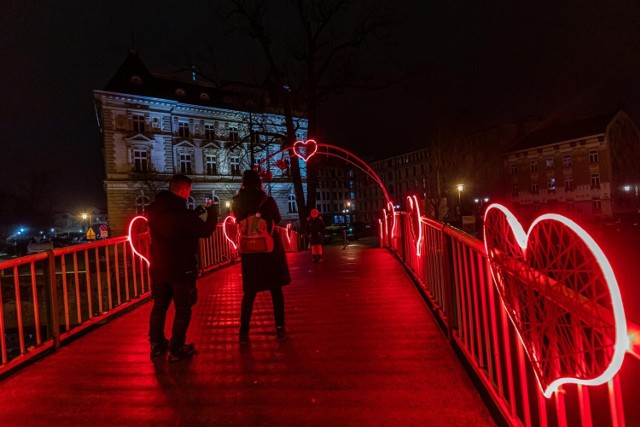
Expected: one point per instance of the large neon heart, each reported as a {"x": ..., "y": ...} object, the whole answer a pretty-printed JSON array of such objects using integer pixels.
[
  {"x": 562, "y": 296},
  {"x": 305, "y": 149},
  {"x": 414, "y": 219},
  {"x": 138, "y": 226},
  {"x": 231, "y": 233}
]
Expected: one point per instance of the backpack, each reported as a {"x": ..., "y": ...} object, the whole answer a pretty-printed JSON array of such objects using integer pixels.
[{"x": 254, "y": 233}]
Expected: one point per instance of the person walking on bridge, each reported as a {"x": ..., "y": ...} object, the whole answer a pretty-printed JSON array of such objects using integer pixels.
[
  {"x": 267, "y": 271},
  {"x": 315, "y": 231},
  {"x": 175, "y": 230}
]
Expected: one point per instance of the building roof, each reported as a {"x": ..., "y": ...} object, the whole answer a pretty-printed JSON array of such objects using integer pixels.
[
  {"x": 133, "y": 77},
  {"x": 566, "y": 131}
]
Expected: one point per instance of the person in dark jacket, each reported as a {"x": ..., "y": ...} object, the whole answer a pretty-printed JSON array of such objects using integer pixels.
[
  {"x": 261, "y": 271},
  {"x": 315, "y": 231},
  {"x": 175, "y": 230}
]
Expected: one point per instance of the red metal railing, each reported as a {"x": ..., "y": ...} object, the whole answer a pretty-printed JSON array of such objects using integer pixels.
[
  {"x": 47, "y": 298},
  {"x": 453, "y": 273}
]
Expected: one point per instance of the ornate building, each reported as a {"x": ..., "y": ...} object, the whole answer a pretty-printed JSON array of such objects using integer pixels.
[
  {"x": 156, "y": 125},
  {"x": 589, "y": 167}
]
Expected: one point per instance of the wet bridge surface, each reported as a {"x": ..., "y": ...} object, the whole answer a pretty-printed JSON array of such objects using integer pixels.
[{"x": 363, "y": 349}]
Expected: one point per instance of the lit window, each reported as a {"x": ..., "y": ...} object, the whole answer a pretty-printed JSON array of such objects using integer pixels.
[
  {"x": 211, "y": 164},
  {"x": 549, "y": 163},
  {"x": 566, "y": 161},
  {"x": 534, "y": 166},
  {"x": 293, "y": 206},
  {"x": 234, "y": 165},
  {"x": 593, "y": 156},
  {"x": 596, "y": 205},
  {"x": 209, "y": 132},
  {"x": 138, "y": 123},
  {"x": 595, "y": 180},
  {"x": 140, "y": 161},
  {"x": 534, "y": 187},
  {"x": 568, "y": 183},
  {"x": 183, "y": 129},
  {"x": 552, "y": 185},
  {"x": 185, "y": 163}
]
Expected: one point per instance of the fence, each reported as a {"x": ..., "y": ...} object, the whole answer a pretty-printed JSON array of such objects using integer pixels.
[
  {"x": 452, "y": 271},
  {"x": 47, "y": 298}
]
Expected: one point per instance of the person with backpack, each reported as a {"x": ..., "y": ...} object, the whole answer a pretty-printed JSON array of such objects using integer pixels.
[
  {"x": 315, "y": 231},
  {"x": 175, "y": 230},
  {"x": 261, "y": 271}
]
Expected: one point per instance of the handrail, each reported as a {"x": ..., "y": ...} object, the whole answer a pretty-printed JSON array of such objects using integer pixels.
[{"x": 454, "y": 276}]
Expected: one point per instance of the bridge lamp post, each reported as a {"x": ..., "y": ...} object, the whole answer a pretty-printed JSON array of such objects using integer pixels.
[{"x": 460, "y": 187}]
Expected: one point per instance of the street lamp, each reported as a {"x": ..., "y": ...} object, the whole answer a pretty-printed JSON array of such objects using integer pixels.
[
  {"x": 227, "y": 205},
  {"x": 460, "y": 187}
]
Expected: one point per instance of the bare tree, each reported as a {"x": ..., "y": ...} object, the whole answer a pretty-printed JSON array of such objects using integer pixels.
[{"x": 319, "y": 59}]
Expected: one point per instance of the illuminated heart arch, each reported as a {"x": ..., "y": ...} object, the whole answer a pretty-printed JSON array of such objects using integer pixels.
[
  {"x": 561, "y": 294},
  {"x": 139, "y": 225}
]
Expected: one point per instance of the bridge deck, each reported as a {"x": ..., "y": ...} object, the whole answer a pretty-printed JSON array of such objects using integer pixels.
[{"x": 363, "y": 349}]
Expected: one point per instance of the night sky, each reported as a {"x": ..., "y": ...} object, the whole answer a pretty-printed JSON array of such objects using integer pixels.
[{"x": 470, "y": 64}]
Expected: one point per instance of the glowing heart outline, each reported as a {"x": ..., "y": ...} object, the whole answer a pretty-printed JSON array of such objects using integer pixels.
[
  {"x": 416, "y": 222},
  {"x": 130, "y": 239},
  {"x": 308, "y": 152},
  {"x": 229, "y": 218},
  {"x": 535, "y": 351}
]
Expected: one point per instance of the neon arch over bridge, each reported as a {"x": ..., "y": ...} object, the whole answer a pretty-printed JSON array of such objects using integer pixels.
[{"x": 307, "y": 149}]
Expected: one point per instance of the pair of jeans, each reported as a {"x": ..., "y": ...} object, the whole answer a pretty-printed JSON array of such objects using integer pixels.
[
  {"x": 277, "y": 297},
  {"x": 184, "y": 295}
]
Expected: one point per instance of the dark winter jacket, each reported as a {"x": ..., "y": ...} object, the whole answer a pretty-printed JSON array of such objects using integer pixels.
[
  {"x": 261, "y": 271},
  {"x": 315, "y": 230},
  {"x": 175, "y": 230}
]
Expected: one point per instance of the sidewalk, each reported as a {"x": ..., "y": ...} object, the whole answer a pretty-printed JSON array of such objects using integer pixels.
[{"x": 363, "y": 349}]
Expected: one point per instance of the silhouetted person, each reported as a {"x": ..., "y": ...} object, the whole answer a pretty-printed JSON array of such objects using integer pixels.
[
  {"x": 315, "y": 231},
  {"x": 175, "y": 230},
  {"x": 261, "y": 271}
]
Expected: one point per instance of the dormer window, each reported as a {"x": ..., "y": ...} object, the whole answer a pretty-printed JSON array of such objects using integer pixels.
[
  {"x": 180, "y": 92},
  {"x": 204, "y": 96},
  {"x": 135, "y": 79}
]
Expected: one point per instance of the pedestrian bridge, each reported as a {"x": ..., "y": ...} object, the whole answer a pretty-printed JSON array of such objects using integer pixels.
[{"x": 377, "y": 336}]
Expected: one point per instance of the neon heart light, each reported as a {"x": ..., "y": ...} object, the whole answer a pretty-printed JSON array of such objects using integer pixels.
[
  {"x": 416, "y": 225},
  {"x": 288, "y": 232},
  {"x": 140, "y": 223},
  {"x": 305, "y": 149},
  {"x": 230, "y": 219},
  {"x": 561, "y": 294}
]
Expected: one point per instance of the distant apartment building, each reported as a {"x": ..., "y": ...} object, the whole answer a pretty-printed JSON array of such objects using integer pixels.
[
  {"x": 433, "y": 174},
  {"x": 156, "y": 125},
  {"x": 588, "y": 167},
  {"x": 335, "y": 195}
]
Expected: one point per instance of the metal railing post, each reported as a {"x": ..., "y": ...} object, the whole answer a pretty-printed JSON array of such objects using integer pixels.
[{"x": 51, "y": 300}]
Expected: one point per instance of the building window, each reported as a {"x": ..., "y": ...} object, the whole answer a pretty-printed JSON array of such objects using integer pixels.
[
  {"x": 209, "y": 132},
  {"x": 191, "y": 203},
  {"x": 549, "y": 163},
  {"x": 514, "y": 190},
  {"x": 566, "y": 161},
  {"x": 138, "y": 123},
  {"x": 140, "y": 161},
  {"x": 534, "y": 166},
  {"x": 233, "y": 134},
  {"x": 568, "y": 183},
  {"x": 234, "y": 165},
  {"x": 593, "y": 156},
  {"x": 185, "y": 163},
  {"x": 596, "y": 205},
  {"x": 534, "y": 187},
  {"x": 211, "y": 164},
  {"x": 595, "y": 180},
  {"x": 141, "y": 202},
  {"x": 293, "y": 206},
  {"x": 514, "y": 170},
  {"x": 552, "y": 185},
  {"x": 183, "y": 129}
]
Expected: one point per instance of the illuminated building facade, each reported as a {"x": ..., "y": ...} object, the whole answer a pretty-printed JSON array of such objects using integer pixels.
[
  {"x": 587, "y": 167},
  {"x": 156, "y": 125}
]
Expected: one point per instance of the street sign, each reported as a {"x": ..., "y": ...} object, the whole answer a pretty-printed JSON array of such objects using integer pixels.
[
  {"x": 91, "y": 235},
  {"x": 104, "y": 231}
]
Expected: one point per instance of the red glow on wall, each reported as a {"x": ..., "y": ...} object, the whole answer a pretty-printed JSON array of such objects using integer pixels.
[
  {"x": 392, "y": 212},
  {"x": 561, "y": 295},
  {"x": 139, "y": 220}
]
